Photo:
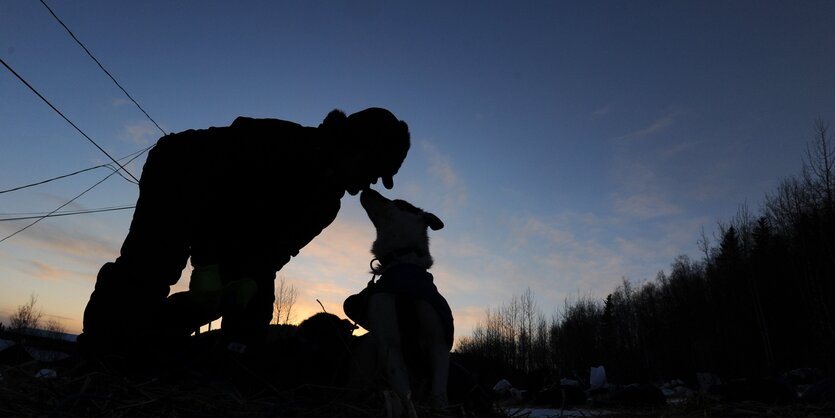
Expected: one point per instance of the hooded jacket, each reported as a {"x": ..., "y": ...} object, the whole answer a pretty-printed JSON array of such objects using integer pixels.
[{"x": 248, "y": 197}]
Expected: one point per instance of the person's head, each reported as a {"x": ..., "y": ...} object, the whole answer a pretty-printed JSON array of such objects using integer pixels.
[{"x": 370, "y": 145}]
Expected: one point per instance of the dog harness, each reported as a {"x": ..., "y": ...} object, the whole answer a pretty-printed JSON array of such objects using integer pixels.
[{"x": 402, "y": 279}]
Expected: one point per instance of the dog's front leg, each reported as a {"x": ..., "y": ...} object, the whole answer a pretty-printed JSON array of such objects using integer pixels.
[
  {"x": 435, "y": 346},
  {"x": 382, "y": 318}
]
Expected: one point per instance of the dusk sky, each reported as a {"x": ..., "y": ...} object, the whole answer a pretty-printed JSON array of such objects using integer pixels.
[{"x": 565, "y": 145}]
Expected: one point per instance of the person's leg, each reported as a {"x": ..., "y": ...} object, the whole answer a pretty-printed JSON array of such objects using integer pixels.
[
  {"x": 129, "y": 296},
  {"x": 247, "y": 316}
]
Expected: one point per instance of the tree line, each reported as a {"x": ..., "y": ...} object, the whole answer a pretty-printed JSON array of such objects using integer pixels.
[
  {"x": 761, "y": 301},
  {"x": 29, "y": 316}
]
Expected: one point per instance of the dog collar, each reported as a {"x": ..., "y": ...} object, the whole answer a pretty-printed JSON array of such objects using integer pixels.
[
  {"x": 398, "y": 253},
  {"x": 389, "y": 260}
]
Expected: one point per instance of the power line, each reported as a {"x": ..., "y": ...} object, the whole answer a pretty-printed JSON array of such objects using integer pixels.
[
  {"x": 90, "y": 54},
  {"x": 102, "y": 67},
  {"x": 110, "y": 166},
  {"x": 67, "y": 213},
  {"x": 51, "y": 179},
  {"x": 65, "y": 204},
  {"x": 19, "y": 77},
  {"x": 56, "y": 209},
  {"x": 115, "y": 171}
]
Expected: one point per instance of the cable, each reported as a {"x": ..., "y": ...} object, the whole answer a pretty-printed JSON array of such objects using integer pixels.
[
  {"x": 115, "y": 171},
  {"x": 90, "y": 54},
  {"x": 65, "y": 118},
  {"x": 134, "y": 156},
  {"x": 52, "y": 179},
  {"x": 57, "y": 209},
  {"x": 110, "y": 166},
  {"x": 65, "y": 204},
  {"x": 102, "y": 67},
  {"x": 67, "y": 213}
]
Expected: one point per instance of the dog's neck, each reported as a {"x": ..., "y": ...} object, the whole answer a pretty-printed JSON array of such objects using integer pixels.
[{"x": 406, "y": 255}]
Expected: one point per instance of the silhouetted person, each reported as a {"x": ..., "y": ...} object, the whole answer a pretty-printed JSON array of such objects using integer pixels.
[{"x": 240, "y": 201}]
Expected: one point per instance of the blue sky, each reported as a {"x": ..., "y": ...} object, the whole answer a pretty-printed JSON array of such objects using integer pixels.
[{"x": 566, "y": 145}]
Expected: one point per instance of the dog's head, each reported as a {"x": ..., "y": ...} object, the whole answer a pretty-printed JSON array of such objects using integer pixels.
[{"x": 401, "y": 229}]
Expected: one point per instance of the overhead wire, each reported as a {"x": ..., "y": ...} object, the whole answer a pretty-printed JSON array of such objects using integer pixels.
[
  {"x": 51, "y": 179},
  {"x": 14, "y": 189},
  {"x": 19, "y": 77},
  {"x": 102, "y": 66},
  {"x": 40, "y": 218},
  {"x": 27, "y": 216},
  {"x": 118, "y": 171}
]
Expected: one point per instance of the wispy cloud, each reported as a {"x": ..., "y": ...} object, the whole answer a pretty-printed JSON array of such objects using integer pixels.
[
  {"x": 461, "y": 246},
  {"x": 530, "y": 227},
  {"x": 83, "y": 246},
  {"x": 140, "y": 133},
  {"x": 645, "y": 206},
  {"x": 569, "y": 257},
  {"x": 600, "y": 112},
  {"x": 654, "y": 127},
  {"x": 674, "y": 150},
  {"x": 643, "y": 187},
  {"x": 441, "y": 169},
  {"x": 43, "y": 271}
]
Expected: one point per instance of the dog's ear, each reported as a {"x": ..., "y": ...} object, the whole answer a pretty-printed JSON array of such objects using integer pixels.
[{"x": 433, "y": 221}]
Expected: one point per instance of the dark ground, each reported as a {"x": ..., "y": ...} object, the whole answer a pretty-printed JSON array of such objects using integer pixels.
[{"x": 74, "y": 388}]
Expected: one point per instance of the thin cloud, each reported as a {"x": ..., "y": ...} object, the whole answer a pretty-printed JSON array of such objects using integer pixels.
[
  {"x": 457, "y": 247},
  {"x": 674, "y": 150},
  {"x": 441, "y": 168},
  {"x": 600, "y": 112},
  {"x": 140, "y": 133},
  {"x": 43, "y": 271},
  {"x": 566, "y": 256},
  {"x": 641, "y": 192},
  {"x": 655, "y": 127},
  {"x": 530, "y": 227},
  {"x": 645, "y": 206},
  {"x": 81, "y": 246}
]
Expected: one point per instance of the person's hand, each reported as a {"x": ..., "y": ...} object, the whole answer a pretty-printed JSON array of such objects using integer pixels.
[
  {"x": 207, "y": 299},
  {"x": 206, "y": 288}
]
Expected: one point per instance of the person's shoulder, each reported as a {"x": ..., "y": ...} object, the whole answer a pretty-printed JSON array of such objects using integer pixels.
[{"x": 244, "y": 122}]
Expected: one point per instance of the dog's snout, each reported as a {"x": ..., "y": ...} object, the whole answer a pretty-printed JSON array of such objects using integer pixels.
[{"x": 370, "y": 195}]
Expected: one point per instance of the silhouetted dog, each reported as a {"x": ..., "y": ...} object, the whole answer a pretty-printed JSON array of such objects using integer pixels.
[{"x": 410, "y": 321}]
